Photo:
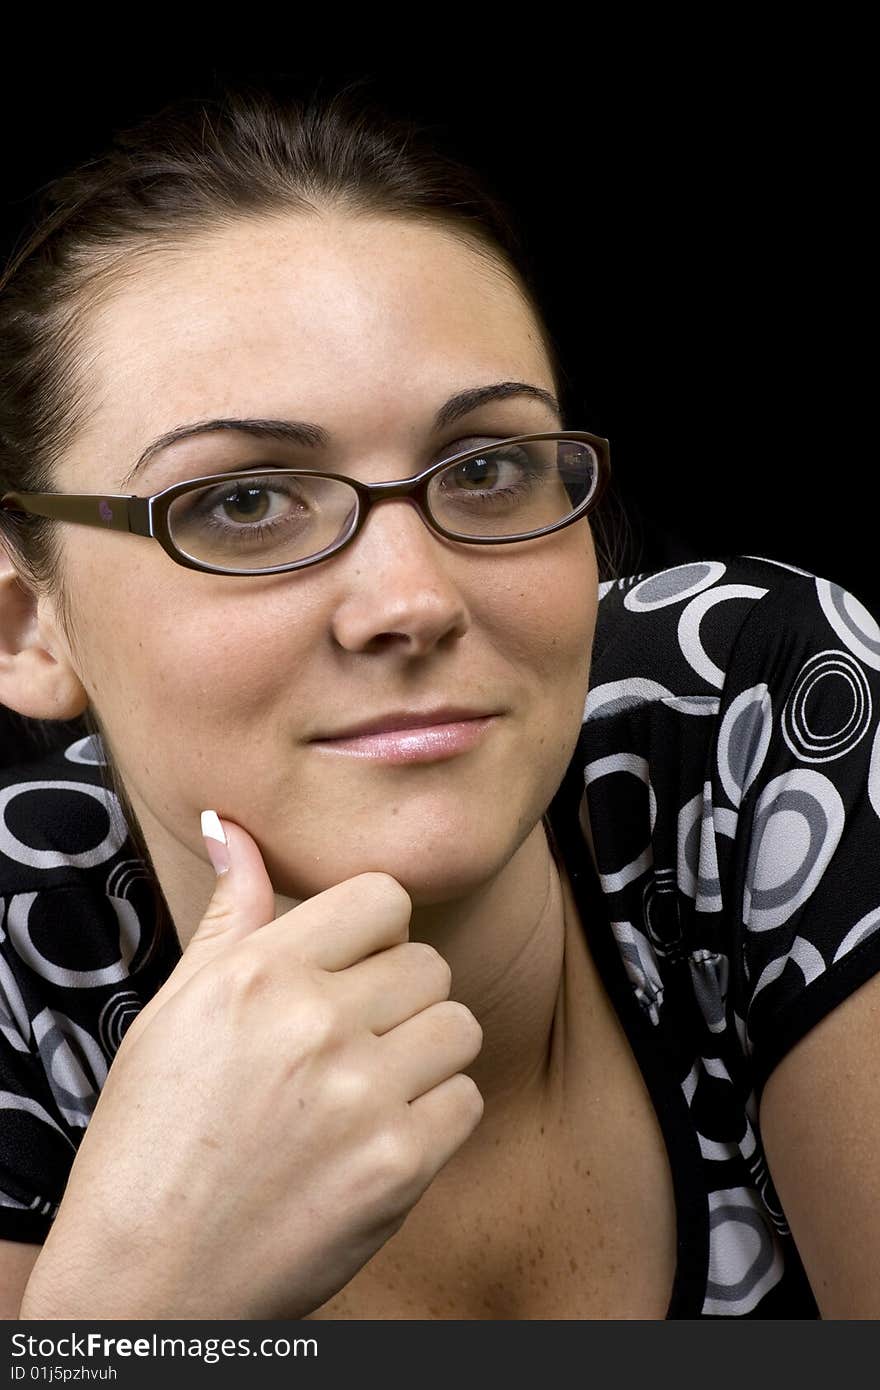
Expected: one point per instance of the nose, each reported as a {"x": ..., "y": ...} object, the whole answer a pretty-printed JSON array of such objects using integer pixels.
[{"x": 398, "y": 586}]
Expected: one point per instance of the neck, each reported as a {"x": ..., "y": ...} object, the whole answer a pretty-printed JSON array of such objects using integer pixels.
[{"x": 505, "y": 947}]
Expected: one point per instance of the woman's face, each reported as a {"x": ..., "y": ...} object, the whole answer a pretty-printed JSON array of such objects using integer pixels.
[{"x": 212, "y": 690}]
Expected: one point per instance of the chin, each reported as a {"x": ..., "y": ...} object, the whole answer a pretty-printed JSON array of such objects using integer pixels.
[{"x": 460, "y": 868}]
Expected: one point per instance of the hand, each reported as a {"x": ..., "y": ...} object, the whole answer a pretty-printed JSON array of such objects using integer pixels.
[{"x": 271, "y": 1115}]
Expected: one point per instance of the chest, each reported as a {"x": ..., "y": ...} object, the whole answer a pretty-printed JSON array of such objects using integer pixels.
[{"x": 578, "y": 1224}]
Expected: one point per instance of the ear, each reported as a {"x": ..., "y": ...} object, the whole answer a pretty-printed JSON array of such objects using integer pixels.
[{"x": 37, "y": 677}]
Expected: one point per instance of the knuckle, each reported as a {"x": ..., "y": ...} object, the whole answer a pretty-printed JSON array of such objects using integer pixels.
[
  {"x": 431, "y": 959},
  {"x": 389, "y": 892},
  {"x": 395, "y": 1159},
  {"x": 347, "y": 1089},
  {"x": 456, "y": 1017},
  {"x": 471, "y": 1095},
  {"x": 316, "y": 1021},
  {"x": 243, "y": 977}
]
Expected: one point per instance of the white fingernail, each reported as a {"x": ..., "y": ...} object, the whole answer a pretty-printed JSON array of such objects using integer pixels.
[{"x": 211, "y": 826}]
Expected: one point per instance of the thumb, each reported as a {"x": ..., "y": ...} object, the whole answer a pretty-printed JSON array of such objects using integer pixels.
[{"x": 243, "y": 899}]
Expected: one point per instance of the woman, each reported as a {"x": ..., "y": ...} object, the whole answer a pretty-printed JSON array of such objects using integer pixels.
[{"x": 330, "y": 1119}]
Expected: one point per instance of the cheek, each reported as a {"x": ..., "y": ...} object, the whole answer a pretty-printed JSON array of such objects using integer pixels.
[
  {"x": 545, "y": 605},
  {"x": 169, "y": 659}
]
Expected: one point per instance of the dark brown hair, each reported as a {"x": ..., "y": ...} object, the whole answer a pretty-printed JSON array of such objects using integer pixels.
[{"x": 194, "y": 165}]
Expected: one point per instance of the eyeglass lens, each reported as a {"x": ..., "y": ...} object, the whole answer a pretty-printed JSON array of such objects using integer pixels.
[{"x": 253, "y": 522}]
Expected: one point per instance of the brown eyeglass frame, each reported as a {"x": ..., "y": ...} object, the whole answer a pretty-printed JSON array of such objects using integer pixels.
[{"x": 148, "y": 516}]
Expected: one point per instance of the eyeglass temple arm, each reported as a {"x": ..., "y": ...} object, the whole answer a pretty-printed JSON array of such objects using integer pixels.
[{"x": 112, "y": 512}]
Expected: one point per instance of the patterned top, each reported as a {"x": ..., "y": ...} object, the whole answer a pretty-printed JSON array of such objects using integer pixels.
[{"x": 730, "y": 760}]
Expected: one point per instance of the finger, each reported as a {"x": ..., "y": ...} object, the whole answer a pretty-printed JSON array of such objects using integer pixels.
[
  {"x": 392, "y": 985},
  {"x": 430, "y": 1047},
  {"x": 445, "y": 1117},
  {"x": 341, "y": 926}
]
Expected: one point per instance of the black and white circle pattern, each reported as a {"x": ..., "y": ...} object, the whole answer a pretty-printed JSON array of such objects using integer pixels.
[
  {"x": 673, "y": 585},
  {"x": 614, "y": 696},
  {"x": 116, "y": 1016},
  {"x": 801, "y": 953},
  {"x": 798, "y": 821},
  {"x": 89, "y": 855},
  {"x": 874, "y": 773},
  {"x": 743, "y": 740},
  {"x": 745, "y": 1258},
  {"x": 74, "y": 1064},
  {"x": 14, "y": 1021},
  {"x": 829, "y": 710},
  {"x": 698, "y": 874},
  {"x": 689, "y": 638},
  {"x": 632, "y": 765},
  {"x": 660, "y": 915},
  {"x": 852, "y": 622},
  {"x": 89, "y": 751},
  {"x": 865, "y": 927},
  {"x": 27, "y": 910},
  {"x": 781, "y": 564}
]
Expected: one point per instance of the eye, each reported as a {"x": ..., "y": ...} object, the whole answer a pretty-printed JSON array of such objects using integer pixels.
[
  {"x": 461, "y": 446},
  {"x": 494, "y": 468}
]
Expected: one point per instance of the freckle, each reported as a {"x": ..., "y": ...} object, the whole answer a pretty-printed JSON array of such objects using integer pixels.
[
  {"x": 302, "y": 1104},
  {"x": 577, "y": 1165},
  {"x": 573, "y": 1266},
  {"x": 542, "y": 1129}
]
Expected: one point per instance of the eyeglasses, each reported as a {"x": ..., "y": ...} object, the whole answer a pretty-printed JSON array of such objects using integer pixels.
[{"x": 269, "y": 520}]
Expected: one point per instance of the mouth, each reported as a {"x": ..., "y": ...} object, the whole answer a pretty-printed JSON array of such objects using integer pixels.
[{"x": 409, "y": 737}]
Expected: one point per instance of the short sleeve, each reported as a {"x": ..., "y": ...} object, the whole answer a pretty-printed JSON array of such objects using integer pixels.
[
  {"x": 85, "y": 941},
  {"x": 797, "y": 789},
  {"x": 35, "y": 1151}
]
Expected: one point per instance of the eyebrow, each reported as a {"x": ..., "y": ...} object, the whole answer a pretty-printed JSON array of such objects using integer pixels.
[{"x": 315, "y": 436}]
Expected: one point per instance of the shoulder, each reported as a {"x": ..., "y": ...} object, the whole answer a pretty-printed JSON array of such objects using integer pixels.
[
  {"x": 699, "y": 627},
  {"x": 77, "y": 905},
  {"x": 59, "y": 819}
]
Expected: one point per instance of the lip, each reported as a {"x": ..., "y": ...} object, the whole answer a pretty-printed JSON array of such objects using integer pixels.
[
  {"x": 406, "y": 719},
  {"x": 408, "y": 737}
]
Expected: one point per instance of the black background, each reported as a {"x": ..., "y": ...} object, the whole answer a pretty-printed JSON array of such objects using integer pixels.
[{"x": 695, "y": 207}]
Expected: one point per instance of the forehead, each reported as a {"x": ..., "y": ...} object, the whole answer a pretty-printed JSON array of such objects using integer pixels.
[
  {"x": 317, "y": 296},
  {"x": 314, "y": 316}
]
